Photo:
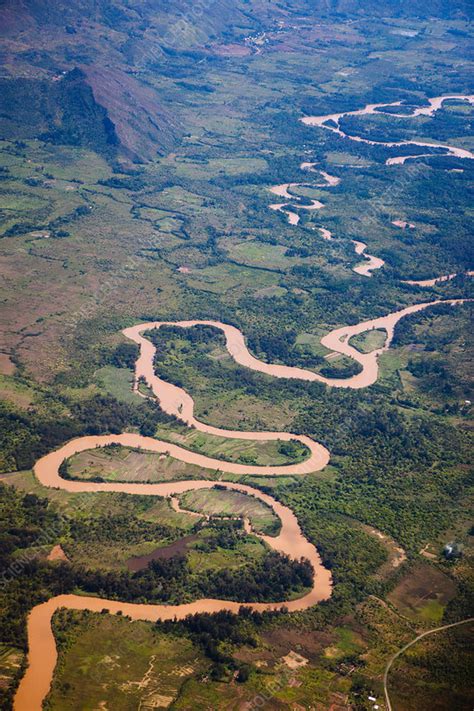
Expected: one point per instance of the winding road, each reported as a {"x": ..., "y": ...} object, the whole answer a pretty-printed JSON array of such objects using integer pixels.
[{"x": 407, "y": 646}]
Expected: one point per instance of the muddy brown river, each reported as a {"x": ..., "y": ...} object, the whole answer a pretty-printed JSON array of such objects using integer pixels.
[
  {"x": 366, "y": 268},
  {"x": 42, "y": 654},
  {"x": 331, "y": 122},
  {"x": 435, "y": 280}
]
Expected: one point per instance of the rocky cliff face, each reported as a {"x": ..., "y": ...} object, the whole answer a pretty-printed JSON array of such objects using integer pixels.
[{"x": 142, "y": 125}]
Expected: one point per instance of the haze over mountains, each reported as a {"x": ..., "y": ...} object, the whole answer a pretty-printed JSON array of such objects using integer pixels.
[{"x": 75, "y": 73}]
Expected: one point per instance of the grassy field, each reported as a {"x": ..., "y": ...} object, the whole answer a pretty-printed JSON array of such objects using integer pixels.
[
  {"x": 313, "y": 341},
  {"x": 260, "y": 255},
  {"x": 246, "y": 412},
  {"x": 20, "y": 394},
  {"x": 220, "y": 166},
  {"x": 202, "y": 552},
  {"x": 232, "y": 279},
  {"x": 231, "y": 503},
  {"x": 235, "y": 450},
  {"x": 203, "y": 556},
  {"x": 435, "y": 672},
  {"x": 423, "y": 593},
  {"x": 117, "y": 382},
  {"x": 109, "y": 662},
  {"x": 109, "y": 556},
  {"x": 123, "y": 464},
  {"x": 369, "y": 341}
]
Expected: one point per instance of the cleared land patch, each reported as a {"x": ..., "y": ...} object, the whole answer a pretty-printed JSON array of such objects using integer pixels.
[
  {"x": 115, "y": 663},
  {"x": 232, "y": 503},
  {"x": 369, "y": 341},
  {"x": 423, "y": 594}
]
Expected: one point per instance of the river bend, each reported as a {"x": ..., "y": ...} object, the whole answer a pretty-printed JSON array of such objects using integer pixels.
[{"x": 42, "y": 653}]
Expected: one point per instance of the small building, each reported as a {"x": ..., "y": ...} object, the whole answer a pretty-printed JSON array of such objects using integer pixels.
[{"x": 453, "y": 550}]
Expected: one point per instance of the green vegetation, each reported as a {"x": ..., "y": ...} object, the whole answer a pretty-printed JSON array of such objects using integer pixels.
[
  {"x": 98, "y": 542},
  {"x": 12, "y": 662},
  {"x": 261, "y": 453},
  {"x": 116, "y": 220},
  {"x": 369, "y": 341},
  {"x": 116, "y": 463},
  {"x": 30, "y": 434},
  {"x": 411, "y": 598},
  {"x": 224, "y": 503},
  {"x": 435, "y": 671},
  {"x": 111, "y": 660},
  {"x": 435, "y": 349}
]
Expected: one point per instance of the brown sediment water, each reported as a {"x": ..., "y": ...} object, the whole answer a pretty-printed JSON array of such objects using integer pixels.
[
  {"x": 282, "y": 191},
  {"x": 46, "y": 468},
  {"x": 293, "y": 217},
  {"x": 403, "y": 224},
  {"x": 435, "y": 280},
  {"x": 176, "y": 506},
  {"x": 338, "y": 340},
  {"x": 325, "y": 234},
  {"x": 400, "y": 160},
  {"x": 331, "y": 180},
  {"x": 42, "y": 654},
  {"x": 371, "y": 263},
  {"x": 315, "y": 205},
  {"x": 176, "y": 401},
  {"x": 434, "y": 105}
]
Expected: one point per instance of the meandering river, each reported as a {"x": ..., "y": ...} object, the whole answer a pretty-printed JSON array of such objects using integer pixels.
[
  {"x": 436, "y": 280},
  {"x": 42, "y": 654},
  {"x": 283, "y": 191},
  {"x": 331, "y": 122},
  {"x": 366, "y": 268}
]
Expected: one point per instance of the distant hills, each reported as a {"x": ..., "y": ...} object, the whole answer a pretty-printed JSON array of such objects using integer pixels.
[{"x": 77, "y": 73}]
